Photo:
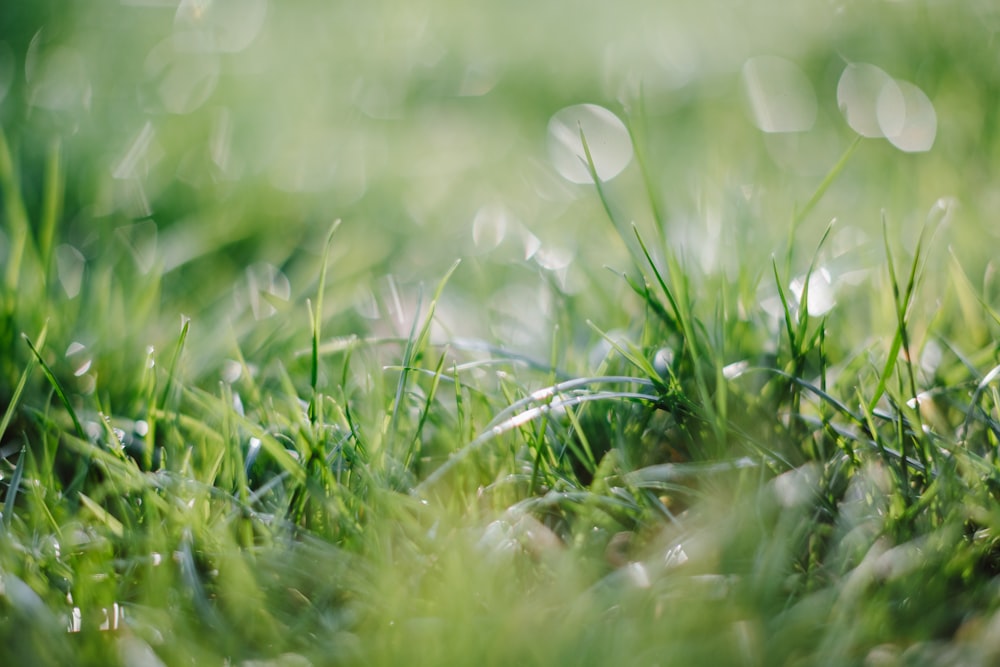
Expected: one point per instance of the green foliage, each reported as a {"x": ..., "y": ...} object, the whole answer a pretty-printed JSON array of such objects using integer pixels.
[{"x": 695, "y": 457}]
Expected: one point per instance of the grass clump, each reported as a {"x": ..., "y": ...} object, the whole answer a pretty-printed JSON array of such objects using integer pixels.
[{"x": 760, "y": 438}]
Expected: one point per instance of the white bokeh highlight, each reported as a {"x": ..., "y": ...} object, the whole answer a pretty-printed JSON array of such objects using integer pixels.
[
  {"x": 606, "y": 135},
  {"x": 861, "y": 90},
  {"x": 914, "y": 121},
  {"x": 877, "y": 105}
]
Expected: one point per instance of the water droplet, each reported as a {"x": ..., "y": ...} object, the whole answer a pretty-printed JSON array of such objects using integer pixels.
[
  {"x": 862, "y": 89},
  {"x": 606, "y": 136},
  {"x": 908, "y": 119},
  {"x": 76, "y": 354},
  {"x": 780, "y": 95}
]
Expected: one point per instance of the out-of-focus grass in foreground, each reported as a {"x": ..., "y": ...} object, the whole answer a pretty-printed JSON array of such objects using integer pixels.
[{"x": 649, "y": 334}]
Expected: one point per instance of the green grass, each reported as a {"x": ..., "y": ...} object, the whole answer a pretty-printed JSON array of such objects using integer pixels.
[{"x": 491, "y": 416}]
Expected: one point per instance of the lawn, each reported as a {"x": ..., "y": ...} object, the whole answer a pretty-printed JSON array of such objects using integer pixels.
[{"x": 651, "y": 333}]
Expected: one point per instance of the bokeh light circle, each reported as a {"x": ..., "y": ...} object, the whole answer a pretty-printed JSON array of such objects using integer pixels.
[
  {"x": 606, "y": 135},
  {"x": 911, "y": 116},
  {"x": 862, "y": 89}
]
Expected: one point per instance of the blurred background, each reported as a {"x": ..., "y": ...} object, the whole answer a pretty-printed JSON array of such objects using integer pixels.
[{"x": 208, "y": 145}]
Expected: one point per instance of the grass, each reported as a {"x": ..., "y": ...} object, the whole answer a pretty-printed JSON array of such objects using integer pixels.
[{"x": 488, "y": 415}]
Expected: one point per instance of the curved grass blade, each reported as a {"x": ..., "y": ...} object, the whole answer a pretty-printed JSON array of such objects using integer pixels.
[
  {"x": 518, "y": 420},
  {"x": 8, "y": 414},
  {"x": 415, "y": 345},
  {"x": 56, "y": 386},
  {"x": 316, "y": 318},
  {"x": 16, "y": 214},
  {"x": 14, "y": 486}
]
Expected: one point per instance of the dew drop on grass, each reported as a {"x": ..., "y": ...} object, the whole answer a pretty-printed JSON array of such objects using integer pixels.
[
  {"x": 862, "y": 89},
  {"x": 779, "y": 93},
  {"x": 908, "y": 119},
  {"x": 606, "y": 135},
  {"x": 76, "y": 355}
]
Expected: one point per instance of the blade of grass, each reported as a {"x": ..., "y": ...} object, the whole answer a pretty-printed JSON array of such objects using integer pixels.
[
  {"x": 56, "y": 386},
  {"x": 317, "y": 325},
  {"x": 15, "y": 398},
  {"x": 17, "y": 216},
  {"x": 799, "y": 216},
  {"x": 414, "y": 347},
  {"x": 14, "y": 485},
  {"x": 496, "y": 429},
  {"x": 52, "y": 201},
  {"x": 156, "y": 408}
]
